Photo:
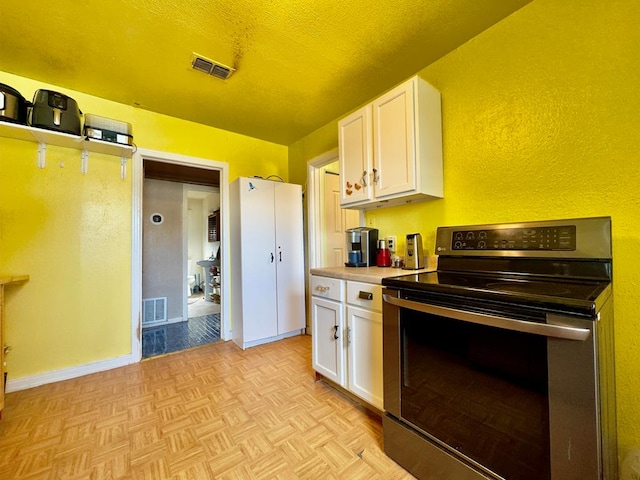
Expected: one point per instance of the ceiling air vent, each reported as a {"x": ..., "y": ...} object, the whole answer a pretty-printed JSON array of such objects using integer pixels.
[{"x": 202, "y": 64}]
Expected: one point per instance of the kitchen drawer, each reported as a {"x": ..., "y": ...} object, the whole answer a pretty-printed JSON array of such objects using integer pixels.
[
  {"x": 365, "y": 295},
  {"x": 325, "y": 287}
]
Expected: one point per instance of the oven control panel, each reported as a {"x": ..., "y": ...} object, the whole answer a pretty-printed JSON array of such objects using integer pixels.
[{"x": 539, "y": 238}]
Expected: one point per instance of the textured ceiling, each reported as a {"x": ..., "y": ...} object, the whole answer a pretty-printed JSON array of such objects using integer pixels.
[{"x": 300, "y": 63}]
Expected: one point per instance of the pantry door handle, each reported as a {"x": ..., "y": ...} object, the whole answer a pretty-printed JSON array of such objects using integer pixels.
[{"x": 506, "y": 323}]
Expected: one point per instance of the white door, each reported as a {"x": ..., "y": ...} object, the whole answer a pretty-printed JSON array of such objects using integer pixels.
[
  {"x": 327, "y": 336},
  {"x": 335, "y": 220},
  {"x": 289, "y": 252},
  {"x": 394, "y": 152},
  {"x": 364, "y": 348},
  {"x": 258, "y": 262}
]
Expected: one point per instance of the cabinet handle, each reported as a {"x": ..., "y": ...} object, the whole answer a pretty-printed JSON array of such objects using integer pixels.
[
  {"x": 364, "y": 179},
  {"x": 335, "y": 332},
  {"x": 280, "y": 255},
  {"x": 271, "y": 257},
  {"x": 322, "y": 289},
  {"x": 376, "y": 177},
  {"x": 348, "y": 335},
  {"x": 365, "y": 295}
]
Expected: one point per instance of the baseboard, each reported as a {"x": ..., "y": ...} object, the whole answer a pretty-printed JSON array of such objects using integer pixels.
[
  {"x": 67, "y": 373},
  {"x": 262, "y": 341},
  {"x": 164, "y": 322}
]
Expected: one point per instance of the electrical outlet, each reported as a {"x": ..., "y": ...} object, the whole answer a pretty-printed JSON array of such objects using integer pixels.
[{"x": 391, "y": 243}]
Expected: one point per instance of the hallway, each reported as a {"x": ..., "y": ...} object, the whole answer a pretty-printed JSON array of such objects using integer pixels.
[{"x": 202, "y": 327}]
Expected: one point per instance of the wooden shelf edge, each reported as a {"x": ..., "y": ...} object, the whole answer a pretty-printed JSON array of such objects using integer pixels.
[{"x": 7, "y": 279}]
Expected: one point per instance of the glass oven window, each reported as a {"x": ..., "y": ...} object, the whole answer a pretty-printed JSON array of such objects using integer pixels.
[{"x": 480, "y": 391}]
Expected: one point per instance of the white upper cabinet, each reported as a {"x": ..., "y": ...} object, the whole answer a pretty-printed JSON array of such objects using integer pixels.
[
  {"x": 391, "y": 149},
  {"x": 355, "y": 139}
]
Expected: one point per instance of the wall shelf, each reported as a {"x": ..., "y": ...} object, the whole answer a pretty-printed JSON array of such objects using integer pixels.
[{"x": 77, "y": 142}]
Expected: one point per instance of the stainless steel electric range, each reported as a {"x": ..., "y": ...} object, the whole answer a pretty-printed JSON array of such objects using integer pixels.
[{"x": 500, "y": 364}]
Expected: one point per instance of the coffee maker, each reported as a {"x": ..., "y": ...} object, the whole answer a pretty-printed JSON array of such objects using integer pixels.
[{"x": 361, "y": 246}]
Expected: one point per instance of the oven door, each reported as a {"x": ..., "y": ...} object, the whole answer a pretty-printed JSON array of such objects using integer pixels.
[{"x": 473, "y": 395}]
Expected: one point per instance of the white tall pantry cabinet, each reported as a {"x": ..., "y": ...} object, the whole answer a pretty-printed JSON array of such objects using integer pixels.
[{"x": 267, "y": 261}]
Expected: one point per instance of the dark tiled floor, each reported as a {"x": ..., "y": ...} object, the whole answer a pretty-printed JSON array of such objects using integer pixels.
[{"x": 179, "y": 336}]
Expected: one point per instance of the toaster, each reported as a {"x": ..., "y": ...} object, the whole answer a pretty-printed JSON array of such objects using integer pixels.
[
  {"x": 414, "y": 259},
  {"x": 55, "y": 111}
]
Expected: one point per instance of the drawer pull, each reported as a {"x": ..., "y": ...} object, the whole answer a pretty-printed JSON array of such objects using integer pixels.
[
  {"x": 365, "y": 295},
  {"x": 322, "y": 289}
]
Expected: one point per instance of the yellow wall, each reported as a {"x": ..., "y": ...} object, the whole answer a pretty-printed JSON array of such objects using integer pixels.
[
  {"x": 540, "y": 121},
  {"x": 72, "y": 233}
]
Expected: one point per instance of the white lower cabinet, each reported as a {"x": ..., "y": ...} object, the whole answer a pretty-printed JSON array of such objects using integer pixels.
[
  {"x": 327, "y": 330},
  {"x": 364, "y": 346},
  {"x": 349, "y": 352}
]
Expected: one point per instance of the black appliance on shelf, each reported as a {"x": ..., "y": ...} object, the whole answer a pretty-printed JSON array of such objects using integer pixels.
[
  {"x": 500, "y": 364},
  {"x": 55, "y": 111},
  {"x": 13, "y": 106}
]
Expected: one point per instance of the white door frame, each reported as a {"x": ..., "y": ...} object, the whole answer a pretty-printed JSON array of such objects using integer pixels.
[
  {"x": 316, "y": 199},
  {"x": 136, "y": 238}
]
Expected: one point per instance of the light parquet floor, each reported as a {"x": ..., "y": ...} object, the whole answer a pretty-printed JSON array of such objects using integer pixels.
[{"x": 214, "y": 411}]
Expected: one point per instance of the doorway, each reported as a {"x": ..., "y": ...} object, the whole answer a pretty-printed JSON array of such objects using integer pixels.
[
  {"x": 179, "y": 260},
  {"x": 327, "y": 220},
  {"x": 178, "y": 182}
]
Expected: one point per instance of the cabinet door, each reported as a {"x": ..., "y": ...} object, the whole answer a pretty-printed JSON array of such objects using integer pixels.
[
  {"x": 394, "y": 151},
  {"x": 289, "y": 249},
  {"x": 364, "y": 339},
  {"x": 354, "y": 133},
  {"x": 328, "y": 351},
  {"x": 258, "y": 260}
]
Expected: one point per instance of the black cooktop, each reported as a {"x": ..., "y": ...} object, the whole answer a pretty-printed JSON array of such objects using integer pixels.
[
  {"x": 526, "y": 269},
  {"x": 579, "y": 297}
]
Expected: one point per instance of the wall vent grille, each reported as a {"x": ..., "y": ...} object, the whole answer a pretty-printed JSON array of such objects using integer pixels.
[
  {"x": 211, "y": 67},
  {"x": 154, "y": 310}
]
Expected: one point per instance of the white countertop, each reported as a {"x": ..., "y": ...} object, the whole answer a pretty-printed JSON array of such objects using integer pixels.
[{"x": 371, "y": 274}]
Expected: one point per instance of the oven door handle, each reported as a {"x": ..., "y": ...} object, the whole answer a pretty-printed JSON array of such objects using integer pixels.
[{"x": 556, "y": 331}]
